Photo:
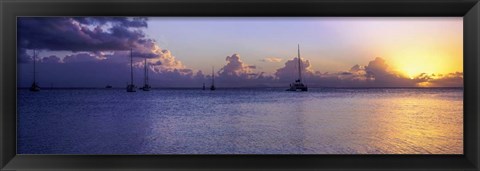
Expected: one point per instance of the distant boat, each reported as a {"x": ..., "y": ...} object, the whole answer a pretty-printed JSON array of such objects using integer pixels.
[
  {"x": 34, "y": 86},
  {"x": 298, "y": 84},
  {"x": 213, "y": 80},
  {"x": 131, "y": 87},
  {"x": 108, "y": 86},
  {"x": 146, "y": 87},
  {"x": 203, "y": 86}
]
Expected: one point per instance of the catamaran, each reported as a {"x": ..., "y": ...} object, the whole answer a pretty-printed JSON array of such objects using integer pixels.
[
  {"x": 34, "y": 86},
  {"x": 146, "y": 86},
  {"x": 213, "y": 80},
  {"x": 131, "y": 87},
  {"x": 298, "y": 84}
]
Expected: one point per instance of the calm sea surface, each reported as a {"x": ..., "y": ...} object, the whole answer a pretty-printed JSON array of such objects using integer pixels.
[{"x": 241, "y": 121}]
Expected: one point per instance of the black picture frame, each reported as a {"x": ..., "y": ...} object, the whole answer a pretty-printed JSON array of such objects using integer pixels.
[{"x": 468, "y": 9}]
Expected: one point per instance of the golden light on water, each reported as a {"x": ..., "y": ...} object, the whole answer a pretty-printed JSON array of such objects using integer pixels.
[
  {"x": 419, "y": 123},
  {"x": 387, "y": 122}
]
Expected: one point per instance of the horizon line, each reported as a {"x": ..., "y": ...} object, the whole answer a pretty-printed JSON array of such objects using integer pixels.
[{"x": 253, "y": 87}]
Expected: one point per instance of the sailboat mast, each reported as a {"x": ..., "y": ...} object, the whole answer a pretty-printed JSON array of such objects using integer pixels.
[
  {"x": 213, "y": 76},
  {"x": 34, "y": 69},
  {"x": 299, "y": 65},
  {"x": 146, "y": 77},
  {"x": 131, "y": 67}
]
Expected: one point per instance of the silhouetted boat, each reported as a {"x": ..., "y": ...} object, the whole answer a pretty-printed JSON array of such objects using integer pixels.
[
  {"x": 131, "y": 87},
  {"x": 146, "y": 87},
  {"x": 34, "y": 86},
  {"x": 203, "y": 88},
  {"x": 213, "y": 80},
  {"x": 298, "y": 84},
  {"x": 108, "y": 86}
]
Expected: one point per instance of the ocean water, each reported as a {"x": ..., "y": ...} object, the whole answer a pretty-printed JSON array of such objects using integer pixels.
[{"x": 240, "y": 121}]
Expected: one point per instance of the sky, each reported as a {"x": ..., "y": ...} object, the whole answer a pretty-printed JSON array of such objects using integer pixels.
[{"x": 245, "y": 51}]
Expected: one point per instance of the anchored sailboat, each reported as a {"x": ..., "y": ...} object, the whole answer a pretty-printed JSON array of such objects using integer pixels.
[
  {"x": 131, "y": 87},
  {"x": 203, "y": 88},
  {"x": 298, "y": 85},
  {"x": 146, "y": 87},
  {"x": 34, "y": 86},
  {"x": 213, "y": 81}
]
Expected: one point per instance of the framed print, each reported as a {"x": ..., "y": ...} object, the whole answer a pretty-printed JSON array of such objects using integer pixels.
[{"x": 179, "y": 85}]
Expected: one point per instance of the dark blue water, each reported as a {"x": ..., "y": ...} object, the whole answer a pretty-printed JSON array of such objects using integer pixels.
[{"x": 241, "y": 121}]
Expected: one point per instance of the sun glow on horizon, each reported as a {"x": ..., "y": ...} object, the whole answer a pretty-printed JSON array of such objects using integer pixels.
[
  {"x": 413, "y": 67},
  {"x": 414, "y": 61}
]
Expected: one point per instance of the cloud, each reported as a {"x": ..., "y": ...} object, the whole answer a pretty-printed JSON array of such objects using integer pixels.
[
  {"x": 236, "y": 73},
  {"x": 81, "y": 33},
  {"x": 80, "y": 57},
  {"x": 50, "y": 59},
  {"x": 121, "y": 21},
  {"x": 358, "y": 73},
  {"x": 440, "y": 80},
  {"x": 199, "y": 76},
  {"x": 93, "y": 37},
  {"x": 272, "y": 59},
  {"x": 380, "y": 72},
  {"x": 289, "y": 72},
  {"x": 23, "y": 56},
  {"x": 235, "y": 68},
  {"x": 88, "y": 70},
  {"x": 376, "y": 74},
  {"x": 167, "y": 62}
]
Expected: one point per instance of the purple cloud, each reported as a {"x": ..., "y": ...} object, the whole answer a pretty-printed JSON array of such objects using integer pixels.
[
  {"x": 80, "y": 57},
  {"x": 81, "y": 33},
  {"x": 23, "y": 56},
  {"x": 271, "y": 59},
  {"x": 87, "y": 70},
  {"x": 50, "y": 59},
  {"x": 289, "y": 72},
  {"x": 235, "y": 68},
  {"x": 236, "y": 73}
]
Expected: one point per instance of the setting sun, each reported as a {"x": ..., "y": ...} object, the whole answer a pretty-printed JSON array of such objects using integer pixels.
[
  {"x": 414, "y": 66},
  {"x": 413, "y": 61}
]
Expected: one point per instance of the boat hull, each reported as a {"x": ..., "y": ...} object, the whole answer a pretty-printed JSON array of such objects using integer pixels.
[
  {"x": 298, "y": 89},
  {"x": 145, "y": 88},
  {"x": 34, "y": 88},
  {"x": 298, "y": 86},
  {"x": 131, "y": 88}
]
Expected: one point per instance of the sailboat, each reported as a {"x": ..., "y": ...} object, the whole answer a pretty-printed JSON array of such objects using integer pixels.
[
  {"x": 146, "y": 87},
  {"x": 298, "y": 85},
  {"x": 203, "y": 88},
  {"x": 213, "y": 81},
  {"x": 131, "y": 87},
  {"x": 34, "y": 86}
]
